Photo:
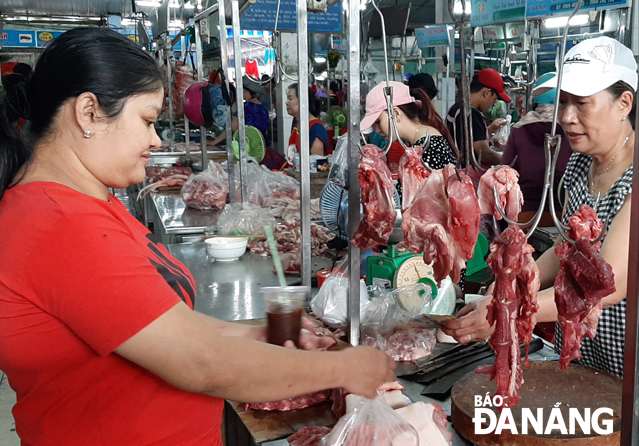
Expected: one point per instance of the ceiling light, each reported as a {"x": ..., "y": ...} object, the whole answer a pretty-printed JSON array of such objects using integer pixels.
[
  {"x": 320, "y": 59},
  {"x": 560, "y": 22},
  {"x": 127, "y": 22},
  {"x": 150, "y": 4}
]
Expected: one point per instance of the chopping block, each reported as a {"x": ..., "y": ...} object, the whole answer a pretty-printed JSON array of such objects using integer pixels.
[{"x": 545, "y": 387}]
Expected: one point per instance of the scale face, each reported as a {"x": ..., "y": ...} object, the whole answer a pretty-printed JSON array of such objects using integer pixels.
[{"x": 413, "y": 270}]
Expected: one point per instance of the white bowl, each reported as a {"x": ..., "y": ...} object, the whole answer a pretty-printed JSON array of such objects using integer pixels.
[{"x": 224, "y": 249}]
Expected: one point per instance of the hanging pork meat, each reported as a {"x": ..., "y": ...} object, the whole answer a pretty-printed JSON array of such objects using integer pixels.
[
  {"x": 443, "y": 222},
  {"x": 379, "y": 217},
  {"x": 512, "y": 310},
  {"x": 411, "y": 174},
  {"x": 506, "y": 180},
  {"x": 584, "y": 279}
]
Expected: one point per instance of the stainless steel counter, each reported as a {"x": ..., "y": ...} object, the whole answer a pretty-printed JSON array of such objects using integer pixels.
[{"x": 230, "y": 291}]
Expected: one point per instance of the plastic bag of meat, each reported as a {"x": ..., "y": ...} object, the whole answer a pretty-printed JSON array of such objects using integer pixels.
[
  {"x": 206, "y": 190},
  {"x": 308, "y": 436},
  {"x": 372, "y": 423},
  {"x": 249, "y": 219},
  {"x": 403, "y": 342}
]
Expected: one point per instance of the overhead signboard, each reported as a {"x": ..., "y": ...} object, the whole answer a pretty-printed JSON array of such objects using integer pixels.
[
  {"x": 515, "y": 30},
  {"x": 432, "y": 36},
  {"x": 489, "y": 12},
  {"x": 262, "y": 14},
  {"x": 20, "y": 39},
  {"x": 43, "y": 38},
  {"x": 539, "y": 8}
]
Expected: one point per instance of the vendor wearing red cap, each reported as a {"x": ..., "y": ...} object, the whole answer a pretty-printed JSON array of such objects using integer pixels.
[{"x": 486, "y": 87}]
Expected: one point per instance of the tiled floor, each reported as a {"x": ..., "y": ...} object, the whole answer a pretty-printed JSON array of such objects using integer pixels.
[{"x": 8, "y": 435}]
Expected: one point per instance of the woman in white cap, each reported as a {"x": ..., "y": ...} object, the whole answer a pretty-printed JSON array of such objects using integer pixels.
[
  {"x": 414, "y": 122},
  {"x": 597, "y": 114}
]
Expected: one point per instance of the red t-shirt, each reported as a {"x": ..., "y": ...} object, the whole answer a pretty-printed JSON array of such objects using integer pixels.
[{"x": 78, "y": 277}]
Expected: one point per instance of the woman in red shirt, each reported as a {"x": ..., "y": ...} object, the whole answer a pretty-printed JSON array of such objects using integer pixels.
[
  {"x": 98, "y": 336},
  {"x": 319, "y": 141}
]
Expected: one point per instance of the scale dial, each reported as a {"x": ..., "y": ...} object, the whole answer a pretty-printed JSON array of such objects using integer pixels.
[{"x": 412, "y": 271}]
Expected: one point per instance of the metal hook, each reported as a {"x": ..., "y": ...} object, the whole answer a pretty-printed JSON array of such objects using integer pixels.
[{"x": 497, "y": 230}]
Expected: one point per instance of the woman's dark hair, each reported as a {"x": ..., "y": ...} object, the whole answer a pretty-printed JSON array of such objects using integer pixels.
[
  {"x": 617, "y": 89},
  {"x": 94, "y": 60},
  {"x": 15, "y": 86},
  {"x": 23, "y": 69},
  {"x": 313, "y": 103},
  {"x": 427, "y": 115}
]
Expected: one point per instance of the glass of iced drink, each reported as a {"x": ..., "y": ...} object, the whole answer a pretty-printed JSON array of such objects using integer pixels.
[{"x": 284, "y": 307}]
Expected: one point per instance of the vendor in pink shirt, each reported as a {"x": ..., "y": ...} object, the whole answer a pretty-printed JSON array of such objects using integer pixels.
[{"x": 485, "y": 88}]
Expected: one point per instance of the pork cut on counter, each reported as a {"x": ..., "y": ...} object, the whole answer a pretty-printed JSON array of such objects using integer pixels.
[
  {"x": 157, "y": 173},
  {"x": 379, "y": 217},
  {"x": 584, "y": 279},
  {"x": 430, "y": 422},
  {"x": 512, "y": 310},
  {"x": 204, "y": 193},
  {"x": 443, "y": 222},
  {"x": 506, "y": 180},
  {"x": 404, "y": 342},
  {"x": 411, "y": 174},
  {"x": 298, "y": 402}
]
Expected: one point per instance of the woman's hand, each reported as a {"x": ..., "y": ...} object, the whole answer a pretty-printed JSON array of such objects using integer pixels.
[
  {"x": 471, "y": 324},
  {"x": 496, "y": 124},
  {"x": 368, "y": 369}
]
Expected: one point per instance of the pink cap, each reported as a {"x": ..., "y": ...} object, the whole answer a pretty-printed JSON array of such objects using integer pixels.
[{"x": 376, "y": 102}]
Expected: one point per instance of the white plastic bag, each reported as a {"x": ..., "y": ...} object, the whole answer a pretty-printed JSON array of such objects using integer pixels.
[
  {"x": 501, "y": 136},
  {"x": 330, "y": 304},
  {"x": 415, "y": 299},
  {"x": 372, "y": 423},
  {"x": 249, "y": 219}
]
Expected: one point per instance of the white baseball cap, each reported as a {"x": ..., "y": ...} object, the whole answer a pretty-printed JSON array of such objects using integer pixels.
[{"x": 592, "y": 66}]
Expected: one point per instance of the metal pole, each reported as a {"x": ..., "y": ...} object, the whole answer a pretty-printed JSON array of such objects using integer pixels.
[
  {"x": 224, "y": 58},
  {"x": 200, "y": 76},
  {"x": 354, "y": 197},
  {"x": 532, "y": 62},
  {"x": 629, "y": 410},
  {"x": 187, "y": 129},
  {"x": 169, "y": 79},
  {"x": 241, "y": 124},
  {"x": 305, "y": 150}
]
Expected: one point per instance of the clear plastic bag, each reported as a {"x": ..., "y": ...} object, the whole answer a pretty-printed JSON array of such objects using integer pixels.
[
  {"x": 501, "y": 136},
  {"x": 386, "y": 326},
  {"x": 206, "y": 190},
  {"x": 338, "y": 174},
  {"x": 372, "y": 423},
  {"x": 415, "y": 299},
  {"x": 330, "y": 303},
  {"x": 249, "y": 219}
]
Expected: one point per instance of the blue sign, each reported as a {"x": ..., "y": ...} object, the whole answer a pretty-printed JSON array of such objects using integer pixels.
[
  {"x": 489, "y": 12},
  {"x": 432, "y": 36},
  {"x": 538, "y": 8},
  {"x": 13, "y": 38},
  {"x": 261, "y": 15}
]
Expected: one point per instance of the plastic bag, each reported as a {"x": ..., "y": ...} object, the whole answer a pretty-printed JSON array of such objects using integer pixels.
[
  {"x": 501, "y": 136},
  {"x": 338, "y": 174},
  {"x": 444, "y": 303},
  {"x": 415, "y": 299},
  {"x": 249, "y": 219},
  {"x": 386, "y": 326},
  {"x": 206, "y": 190},
  {"x": 372, "y": 423},
  {"x": 330, "y": 303},
  {"x": 264, "y": 184}
]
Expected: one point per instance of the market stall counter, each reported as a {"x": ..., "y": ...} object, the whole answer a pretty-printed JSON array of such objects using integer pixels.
[
  {"x": 231, "y": 291},
  {"x": 251, "y": 427}
]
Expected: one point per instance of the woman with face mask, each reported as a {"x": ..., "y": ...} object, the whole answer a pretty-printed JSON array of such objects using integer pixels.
[
  {"x": 99, "y": 338},
  {"x": 597, "y": 113}
]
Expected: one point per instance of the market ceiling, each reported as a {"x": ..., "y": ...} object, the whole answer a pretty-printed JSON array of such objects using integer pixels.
[{"x": 83, "y": 8}]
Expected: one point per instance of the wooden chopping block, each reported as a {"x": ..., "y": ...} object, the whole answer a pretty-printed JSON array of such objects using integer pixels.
[{"x": 545, "y": 387}]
